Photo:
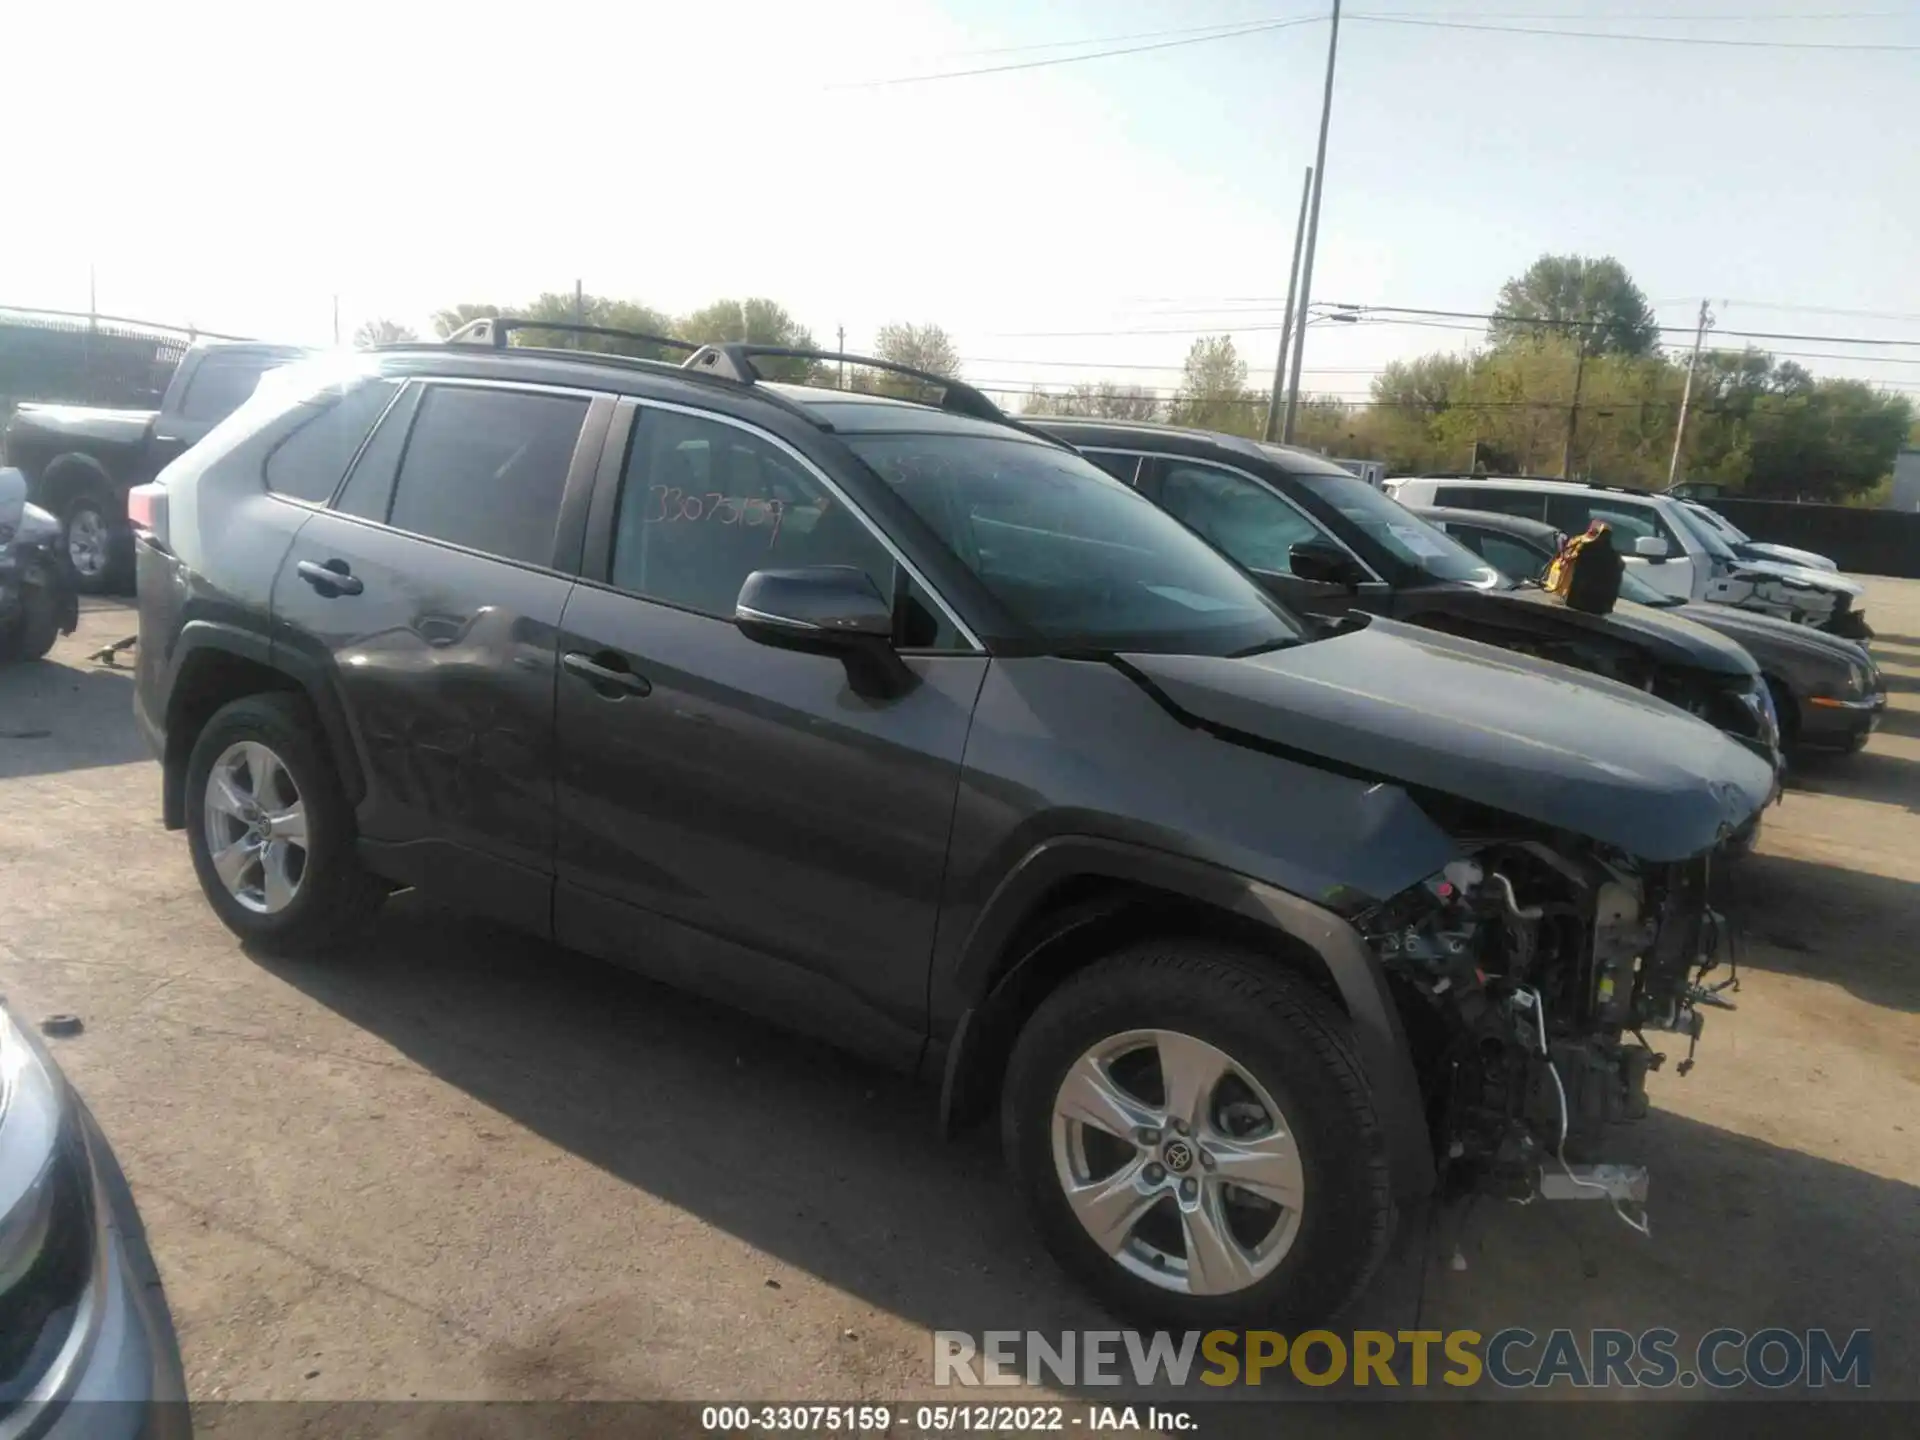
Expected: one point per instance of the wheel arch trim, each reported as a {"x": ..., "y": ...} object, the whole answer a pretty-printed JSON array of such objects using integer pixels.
[
  {"x": 984, "y": 966},
  {"x": 203, "y": 638}
]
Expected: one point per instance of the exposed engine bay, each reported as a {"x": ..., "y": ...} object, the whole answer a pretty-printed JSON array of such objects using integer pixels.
[{"x": 1527, "y": 976}]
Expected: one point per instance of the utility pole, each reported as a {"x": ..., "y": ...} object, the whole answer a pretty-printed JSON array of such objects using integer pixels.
[
  {"x": 1313, "y": 228},
  {"x": 579, "y": 312},
  {"x": 1272, "y": 431},
  {"x": 1573, "y": 410},
  {"x": 841, "y": 346},
  {"x": 1686, "y": 393},
  {"x": 336, "y": 319}
]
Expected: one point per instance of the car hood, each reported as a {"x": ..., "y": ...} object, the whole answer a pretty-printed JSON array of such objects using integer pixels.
[
  {"x": 1786, "y": 554},
  {"x": 1801, "y": 575},
  {"x": 1762, "y": 633},
  {"x": 1435, "y": 712},
  {"x": 1669, "y": 638}
]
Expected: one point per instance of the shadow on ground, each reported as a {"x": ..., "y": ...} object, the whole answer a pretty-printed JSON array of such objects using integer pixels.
[
  {"x": 1900, "y": 722},
  {"x": 56, "y": 717},
  {"x": 1796, "y": 907},
  {"x": 835, "y": 1167},
  {"x": 1874, "y": 774}
]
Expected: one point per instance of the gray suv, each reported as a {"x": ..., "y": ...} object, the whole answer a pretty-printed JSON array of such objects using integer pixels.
[{"x": 897, "y": 722}]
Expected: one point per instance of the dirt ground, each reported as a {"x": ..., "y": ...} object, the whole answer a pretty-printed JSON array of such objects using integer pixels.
[{"x": 464, "y": 1164}]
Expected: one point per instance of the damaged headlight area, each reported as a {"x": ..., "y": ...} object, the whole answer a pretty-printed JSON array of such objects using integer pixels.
[
  {"x": 46, "y": 1221},
  {"x": 1527, "y": 974}
]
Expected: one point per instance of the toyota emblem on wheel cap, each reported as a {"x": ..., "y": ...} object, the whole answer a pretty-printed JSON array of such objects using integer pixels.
[{"x": 1179, "y": 1155}]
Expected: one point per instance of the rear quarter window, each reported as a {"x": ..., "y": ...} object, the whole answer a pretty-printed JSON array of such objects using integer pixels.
[{"x": 309, "y": 463}]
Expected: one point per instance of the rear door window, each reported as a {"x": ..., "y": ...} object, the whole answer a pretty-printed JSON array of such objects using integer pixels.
[
  {"x": 1238, "y": 516},
  {"x": 310, "y": 462},
  {"x": 1628, "y": 521},
  {"x": 1124, "y": 468},
  {"x": 1528, "y": 504},
  {"x": 485, "y": 469},
  {"x": 1503, "y": 552}
]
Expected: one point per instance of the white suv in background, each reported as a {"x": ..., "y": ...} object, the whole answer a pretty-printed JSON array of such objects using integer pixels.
[{"x": 1672, "y": 549}]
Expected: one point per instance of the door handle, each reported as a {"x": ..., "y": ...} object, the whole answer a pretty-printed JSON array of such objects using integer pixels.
[
  {"x": 604, "y": 677},
  {"x": 330, "y": 579}
]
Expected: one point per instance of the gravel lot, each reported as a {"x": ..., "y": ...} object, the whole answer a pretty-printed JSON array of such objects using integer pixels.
[{"x": 463, "y": 1164}]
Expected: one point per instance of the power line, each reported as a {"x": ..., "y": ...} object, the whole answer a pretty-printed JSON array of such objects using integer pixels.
[
  {"x": 1856, "y": 46},
  {"x": 1366, "y": 310},
  {"x": 1258, "y": 28}
]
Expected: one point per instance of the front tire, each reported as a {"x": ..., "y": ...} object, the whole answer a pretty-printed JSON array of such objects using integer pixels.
[
  {"x": 1196, "y": 1141},
  {"x": 271, "y": 831}
]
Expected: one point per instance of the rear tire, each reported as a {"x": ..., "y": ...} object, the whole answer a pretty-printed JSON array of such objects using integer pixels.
[
  {"x": 1201, "y": 1257},
  {"x": 96, "y": 543},
  {"x": 271, "y": 831}
]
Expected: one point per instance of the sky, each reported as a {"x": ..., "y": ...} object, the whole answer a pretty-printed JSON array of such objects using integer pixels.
[{"x": 238, "y": 167}]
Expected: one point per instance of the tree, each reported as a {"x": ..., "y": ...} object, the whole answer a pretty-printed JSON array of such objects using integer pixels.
[
  {"x": 1594, "y": 299},
  {"x": 924, "y": 347},
  {"x": 1099, "y": 400},
  {"x": 1213, "y": 390},
  {"x": 606, "y": 312},
  {"x": 383, "y": 332},
  {"x": 758, "y": 322}
]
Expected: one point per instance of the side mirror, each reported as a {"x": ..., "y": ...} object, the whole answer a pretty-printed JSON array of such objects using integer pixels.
[
  {"x": 830, "y": 608},
  {"x": 1323, "y": 562},
  {"x": 1650, "y": 547},
  {"x": 825, "y": 610}
]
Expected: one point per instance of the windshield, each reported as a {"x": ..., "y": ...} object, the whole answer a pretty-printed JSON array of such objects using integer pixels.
[
  {"x": 1714, "y": 520},
  {"x": 1708, "y": 537},
  {"x": 1078, "y": 558},
  {"x": 1399, "y": 531},
  {"x": 1633, "y": 588}
]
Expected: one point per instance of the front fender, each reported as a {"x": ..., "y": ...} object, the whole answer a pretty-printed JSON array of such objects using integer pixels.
[{"x": 1379, "y": 1037}]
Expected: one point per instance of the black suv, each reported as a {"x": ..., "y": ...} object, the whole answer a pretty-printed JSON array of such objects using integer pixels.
[
  {"x": 897, "y": 722},
  {"x": 1325, "y": 542}
]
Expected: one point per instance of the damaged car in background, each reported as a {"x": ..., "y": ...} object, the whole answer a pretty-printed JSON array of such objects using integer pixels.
[
  {"x": 1251, "y": 930},
  {"x": 37, "y": 605}
]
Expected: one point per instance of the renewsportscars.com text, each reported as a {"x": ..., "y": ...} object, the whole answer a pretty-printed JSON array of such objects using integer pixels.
[{"x": 1513, "y": 1358}]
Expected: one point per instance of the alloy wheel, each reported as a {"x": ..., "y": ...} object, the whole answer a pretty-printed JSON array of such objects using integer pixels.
[
  {"x": 88, "y": 542},
  {"x": 256, "y": 827},
  {"x": 1177, "y": 1162}
]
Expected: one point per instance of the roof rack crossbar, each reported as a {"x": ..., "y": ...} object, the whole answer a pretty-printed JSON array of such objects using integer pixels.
[
  {"x": 734, "y": 360},
  {"x": 494, "y": 330}
]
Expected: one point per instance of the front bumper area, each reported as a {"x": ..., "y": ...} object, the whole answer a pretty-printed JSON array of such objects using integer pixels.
[
  {"x": 119, "y": 1375},
  {"x": 1829, "y": 723}
]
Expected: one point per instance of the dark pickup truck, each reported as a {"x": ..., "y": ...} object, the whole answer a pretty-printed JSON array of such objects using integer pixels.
[{"x": 80, "y": 462}]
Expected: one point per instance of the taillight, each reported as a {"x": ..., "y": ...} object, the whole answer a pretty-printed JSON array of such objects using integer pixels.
[{"x": 147, "y": 509}]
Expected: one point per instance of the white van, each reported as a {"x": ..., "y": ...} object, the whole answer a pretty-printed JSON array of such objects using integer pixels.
[{"x": 1671, "y": 549}]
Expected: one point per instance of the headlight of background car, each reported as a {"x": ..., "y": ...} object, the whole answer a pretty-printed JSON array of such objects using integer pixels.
[
  {"x": 46, "y": 1220},
  {"x": 1856, "y": 679}
]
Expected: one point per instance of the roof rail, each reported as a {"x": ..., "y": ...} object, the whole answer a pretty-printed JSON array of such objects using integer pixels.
[
  {"x": 494, "y": 329},
  {"x": 734, "y": 360}
]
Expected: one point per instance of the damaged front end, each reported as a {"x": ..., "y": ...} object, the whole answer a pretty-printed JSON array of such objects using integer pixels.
[{"x": 1528, "y": 974}]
